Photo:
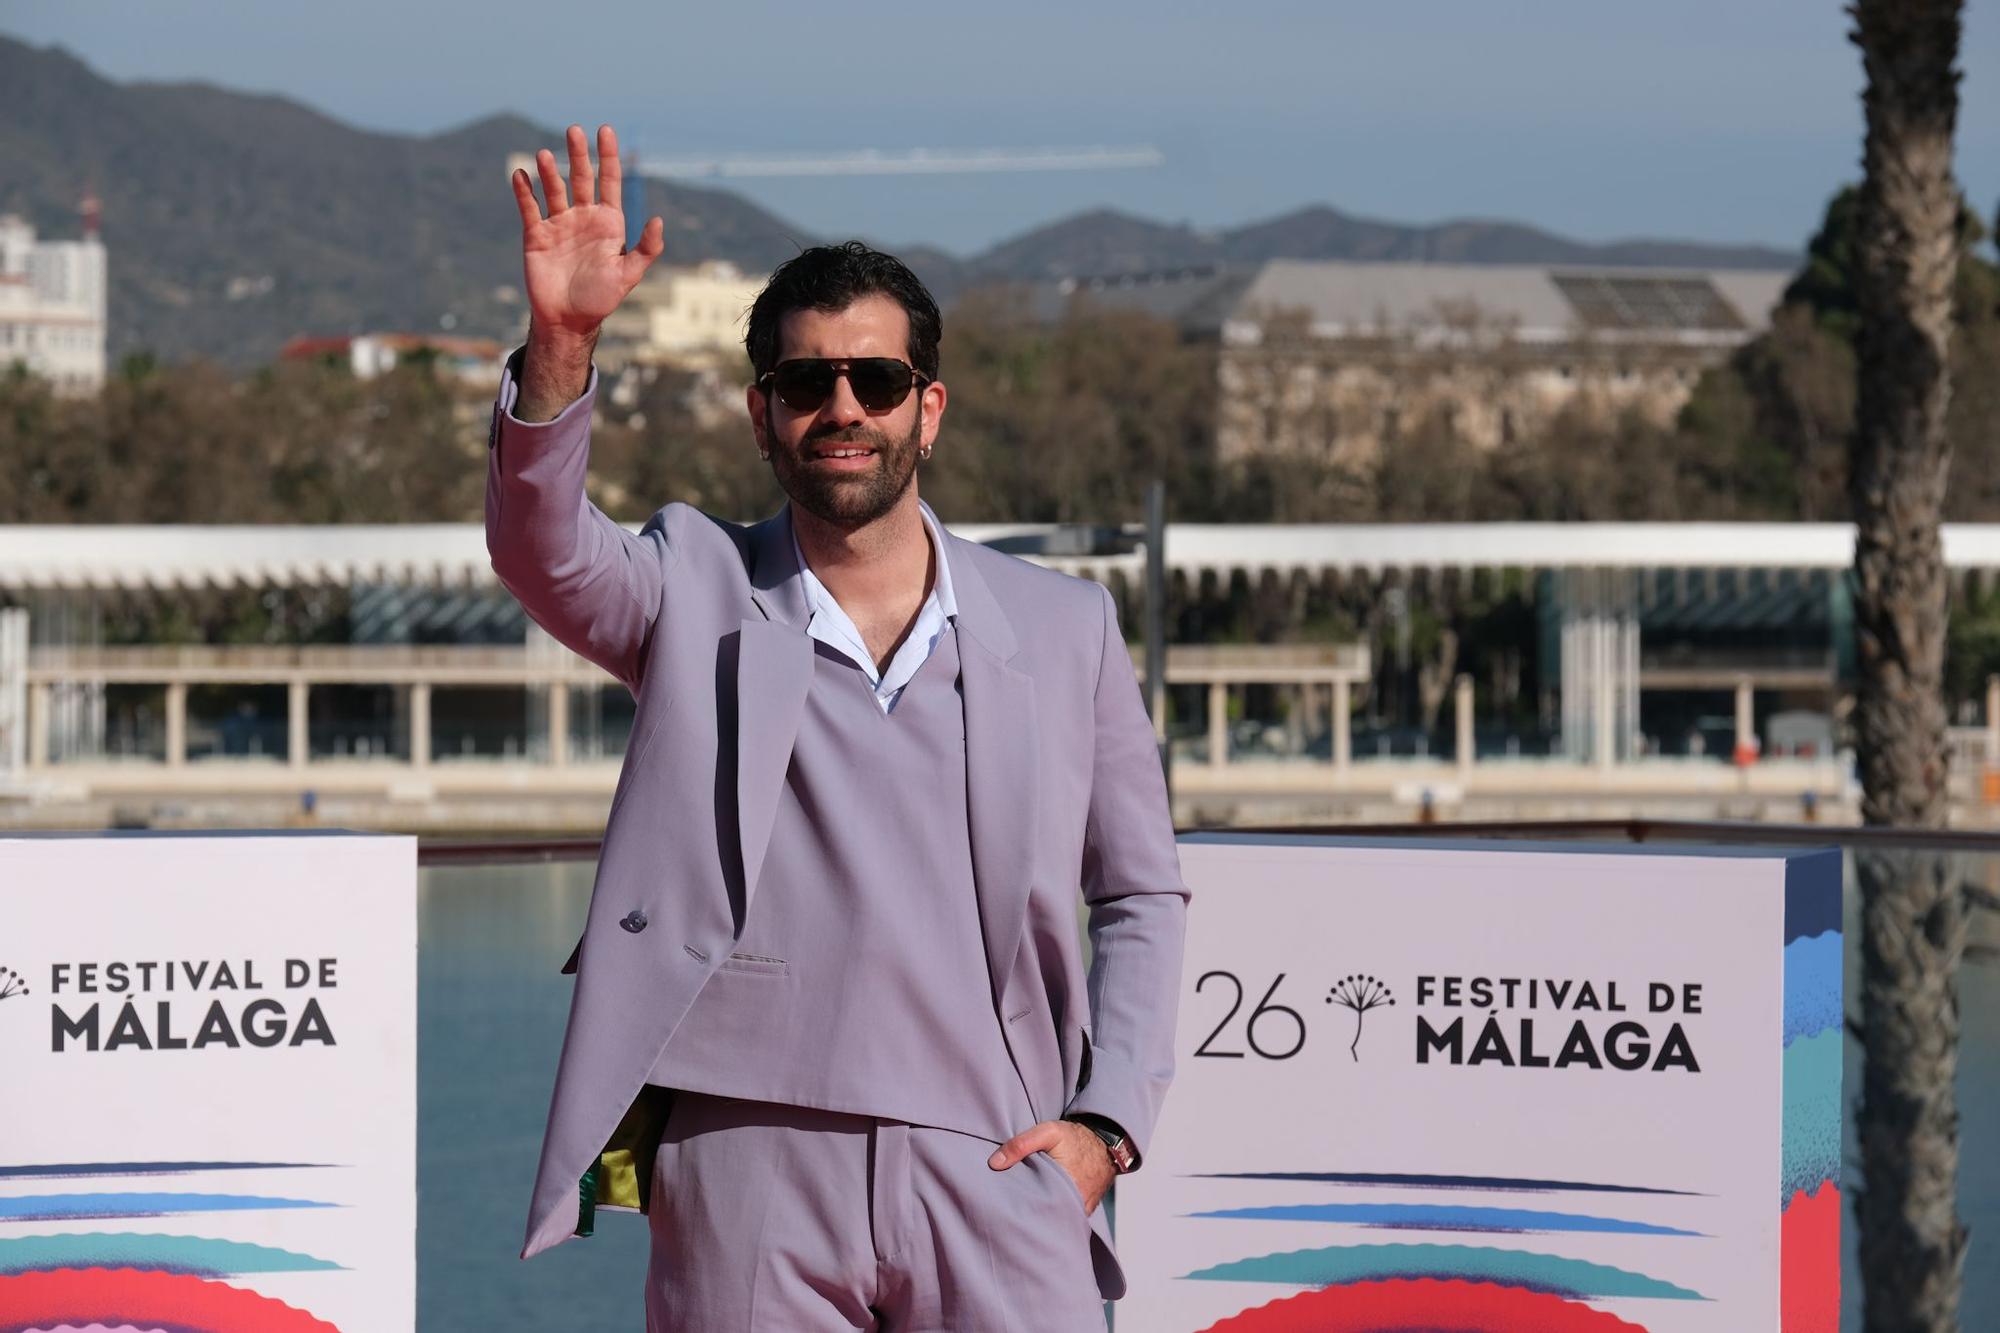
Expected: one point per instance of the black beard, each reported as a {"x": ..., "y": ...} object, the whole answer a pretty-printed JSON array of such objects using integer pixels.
[{"x": 850, "y": 500}]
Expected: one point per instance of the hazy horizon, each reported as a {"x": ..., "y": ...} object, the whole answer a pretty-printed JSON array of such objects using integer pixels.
[{"x": 1712, "y": 122}]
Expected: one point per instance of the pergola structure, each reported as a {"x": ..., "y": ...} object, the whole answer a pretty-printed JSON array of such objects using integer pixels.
[
  {"x": 1600, "y": 584},
  {"x": 186, "y": 556},
  {"x": 168, "y": 557}
]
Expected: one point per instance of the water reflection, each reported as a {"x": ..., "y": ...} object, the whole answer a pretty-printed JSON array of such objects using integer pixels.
[{"x": 492, "y": 1007}]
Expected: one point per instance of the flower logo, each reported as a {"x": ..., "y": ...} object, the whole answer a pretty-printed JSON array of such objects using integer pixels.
[{"x": 1360, "y": 993}]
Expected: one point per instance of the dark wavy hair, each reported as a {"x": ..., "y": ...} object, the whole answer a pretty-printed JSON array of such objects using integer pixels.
[{"x": 833, "y": 277}]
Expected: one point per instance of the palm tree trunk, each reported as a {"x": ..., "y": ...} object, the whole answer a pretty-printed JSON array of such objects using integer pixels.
[{"x": 1913, "y": 913}]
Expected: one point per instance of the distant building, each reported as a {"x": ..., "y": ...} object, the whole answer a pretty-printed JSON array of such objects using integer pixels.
[
  {"x": 1338, "y": 359},
  {"x": 475, "y": 360},
  {"x": 688, "y": 316},
  {"x": 52, "y": 304}
]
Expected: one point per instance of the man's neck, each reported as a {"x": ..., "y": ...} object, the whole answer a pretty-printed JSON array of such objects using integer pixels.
[{"x": 883, "y": 564}]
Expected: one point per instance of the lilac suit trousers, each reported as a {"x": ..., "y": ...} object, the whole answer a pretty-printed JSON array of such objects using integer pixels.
[{"x": 775, "y": 1218}]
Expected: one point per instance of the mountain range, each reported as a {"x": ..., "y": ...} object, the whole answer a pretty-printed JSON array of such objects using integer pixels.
[{"x": 235, "y": 221}]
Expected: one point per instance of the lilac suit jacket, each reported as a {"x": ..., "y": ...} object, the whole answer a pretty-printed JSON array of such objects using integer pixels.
[{"x": 704, "y": 621}]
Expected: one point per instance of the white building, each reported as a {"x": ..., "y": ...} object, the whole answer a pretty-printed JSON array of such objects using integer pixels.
[
  {"x": 366, "y": 355},
  {"x": 52, "y": 304}
]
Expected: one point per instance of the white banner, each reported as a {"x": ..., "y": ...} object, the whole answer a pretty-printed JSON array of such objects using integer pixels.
[
  {"x": 210, "y": 1049},
  {"x": 1488, "y": 1086}
]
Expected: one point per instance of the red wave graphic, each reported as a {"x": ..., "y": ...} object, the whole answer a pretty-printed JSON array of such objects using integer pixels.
[
  {"x": 1442, "y": 1306},
  {"x": 114, "y": 1296},
  {"x": 1809, "y": 1262}
]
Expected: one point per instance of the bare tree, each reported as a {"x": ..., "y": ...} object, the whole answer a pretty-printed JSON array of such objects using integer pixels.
[{"x": 1913, "y": 911}]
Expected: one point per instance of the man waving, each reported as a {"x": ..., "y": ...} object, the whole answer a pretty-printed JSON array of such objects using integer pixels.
[{"x": 831, "y": 1028}]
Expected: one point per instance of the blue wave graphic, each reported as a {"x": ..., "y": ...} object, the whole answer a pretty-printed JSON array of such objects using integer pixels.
[
  {"x": 1427, "y": 1182},
  {"x": 79, "y": 1207},
  {"x": 1446, "y": 1217},
  {"x": 1812, "y": 986}
]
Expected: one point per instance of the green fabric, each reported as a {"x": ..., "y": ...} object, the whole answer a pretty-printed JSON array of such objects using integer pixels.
[{"x": 586, "y": 1212}]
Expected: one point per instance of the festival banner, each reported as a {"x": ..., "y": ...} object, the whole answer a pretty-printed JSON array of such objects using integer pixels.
[
  {"x": 1496, "y": 1086},
  {"x": 210, "y": 1052}
]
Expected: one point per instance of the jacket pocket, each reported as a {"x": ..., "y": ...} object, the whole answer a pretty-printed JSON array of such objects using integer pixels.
[{"x": 757, "y": 964}]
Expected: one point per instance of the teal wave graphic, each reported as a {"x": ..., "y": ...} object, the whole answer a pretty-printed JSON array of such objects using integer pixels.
[
  {"x": 1339, "y": 1265},
  {"x": 72, "y": 1207},
  {"x": 1811, "y": 1142},
  {"x": 1812, "y": 986},
  {"x": 198, "y": 1255}
]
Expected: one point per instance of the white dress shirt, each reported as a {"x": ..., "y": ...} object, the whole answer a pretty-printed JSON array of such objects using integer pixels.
[{"x": 835, "y": 628}]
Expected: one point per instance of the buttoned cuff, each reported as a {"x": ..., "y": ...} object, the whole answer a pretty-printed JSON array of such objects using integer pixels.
[{"x": 504, "y": 419}]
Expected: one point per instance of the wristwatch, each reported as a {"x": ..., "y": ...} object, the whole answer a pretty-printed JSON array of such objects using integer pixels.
[{"x": 1123, "y": 1159}]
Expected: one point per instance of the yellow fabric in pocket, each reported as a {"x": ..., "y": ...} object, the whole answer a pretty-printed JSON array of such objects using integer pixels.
[{"x": 623, "y": 1174}]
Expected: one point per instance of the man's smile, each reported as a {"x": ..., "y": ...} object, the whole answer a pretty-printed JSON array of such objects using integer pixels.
[{"x": 841, "y": 457}]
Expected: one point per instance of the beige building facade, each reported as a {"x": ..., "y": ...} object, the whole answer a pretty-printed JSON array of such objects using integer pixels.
[
  {"x": 693, "y": 315},
  {"x": 1337, "y": 360}
]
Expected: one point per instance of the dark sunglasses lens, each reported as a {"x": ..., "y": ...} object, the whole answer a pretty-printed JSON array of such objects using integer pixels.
[
  {"x": 803, "y": 385},
  {"x": 879, "y": 383}
]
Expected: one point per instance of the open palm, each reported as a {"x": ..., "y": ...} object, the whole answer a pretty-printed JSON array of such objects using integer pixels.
[{"x": 578, "y": 268}]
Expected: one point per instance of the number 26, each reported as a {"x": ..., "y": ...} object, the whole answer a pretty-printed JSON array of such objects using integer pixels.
[{"x": 1265, "y": 1009}]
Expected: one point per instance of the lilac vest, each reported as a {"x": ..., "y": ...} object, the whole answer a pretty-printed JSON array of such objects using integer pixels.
[{"x": 864, "y": 924}]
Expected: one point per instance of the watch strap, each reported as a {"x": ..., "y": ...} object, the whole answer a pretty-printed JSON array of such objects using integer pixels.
[{"x": 1116, "y": 1142}]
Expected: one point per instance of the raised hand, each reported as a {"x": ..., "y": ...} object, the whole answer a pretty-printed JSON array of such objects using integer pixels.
[{"x": 577, "y": 266}]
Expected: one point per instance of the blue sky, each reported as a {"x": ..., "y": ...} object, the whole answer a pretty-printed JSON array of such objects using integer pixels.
[{"x": 1726, "y": 120}]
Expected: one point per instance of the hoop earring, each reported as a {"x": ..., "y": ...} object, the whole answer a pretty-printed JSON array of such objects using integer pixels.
[{"x": 924, "y": 451}]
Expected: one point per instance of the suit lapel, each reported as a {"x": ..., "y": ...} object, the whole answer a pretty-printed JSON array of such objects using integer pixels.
[
  {"x": 774, "y": 669},
  {"x": 1002, "y": 741}
]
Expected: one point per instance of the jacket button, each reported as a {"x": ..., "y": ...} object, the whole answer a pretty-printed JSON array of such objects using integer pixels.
[{"x": 635, "y": 921}]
